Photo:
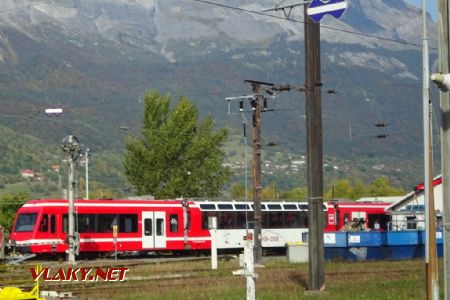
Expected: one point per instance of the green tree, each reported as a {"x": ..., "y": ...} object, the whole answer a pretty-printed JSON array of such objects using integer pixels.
[
  {"x": 382, "y": 187},
  {"x": 176, "y": 155},
  {"x": 238, "y": 191},
  {"x": 359, "y": 190},
  {"x": 270, "y": 192},
  {"x": 340, "y": 189},
  {"x": 9, "y": 204},
  {"x": 295, "y": 194}
]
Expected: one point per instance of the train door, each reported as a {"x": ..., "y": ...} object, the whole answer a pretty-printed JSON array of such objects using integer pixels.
[{"x": 153, "y": 229}]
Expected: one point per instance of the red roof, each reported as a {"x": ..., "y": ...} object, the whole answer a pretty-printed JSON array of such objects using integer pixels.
[{"x": 421, "y": 186}]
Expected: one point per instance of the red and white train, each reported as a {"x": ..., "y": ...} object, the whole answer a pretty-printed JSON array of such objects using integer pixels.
[{"x": 174, "y": 225}]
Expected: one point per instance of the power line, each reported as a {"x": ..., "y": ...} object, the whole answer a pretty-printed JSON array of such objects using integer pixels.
[{"x": 302, "y": 22}]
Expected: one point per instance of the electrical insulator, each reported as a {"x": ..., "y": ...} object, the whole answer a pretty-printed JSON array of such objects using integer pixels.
[
  {"x": 265, "y": 104},
  {"x": 241, "y": 105},
  {"x": 253, "y": 103}
]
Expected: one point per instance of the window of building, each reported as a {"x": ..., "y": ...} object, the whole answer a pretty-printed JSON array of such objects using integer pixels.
[{"x": 411, "y": 222}]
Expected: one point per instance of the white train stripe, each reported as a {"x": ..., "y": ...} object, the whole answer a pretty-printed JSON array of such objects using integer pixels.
[
  {"x": 104, "y": 240},
  {"x": 104, "y": 204}
]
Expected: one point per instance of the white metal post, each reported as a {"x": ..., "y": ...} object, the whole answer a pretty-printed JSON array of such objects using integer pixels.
[
  {"x": 71, "y": 240},
  {"x": 249, "y": 267},
  {"x": 86, "y": 160},
  {"x": 212, "y": 224}
]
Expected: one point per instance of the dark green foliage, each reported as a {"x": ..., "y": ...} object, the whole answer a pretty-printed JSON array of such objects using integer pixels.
[
  {"x": 9, "y": 204},
  {"x": 177, "y": 155},
  {"x": 380, "y": 187}
]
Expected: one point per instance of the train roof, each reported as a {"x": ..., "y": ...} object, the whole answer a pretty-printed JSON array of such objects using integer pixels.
[{"x": 105, "y": 202}]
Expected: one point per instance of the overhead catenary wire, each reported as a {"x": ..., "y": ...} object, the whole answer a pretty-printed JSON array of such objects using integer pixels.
[{"x": 302, "y": 22}]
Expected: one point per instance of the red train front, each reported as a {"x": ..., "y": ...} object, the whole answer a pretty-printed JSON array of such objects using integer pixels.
[
  {"x": 371, "y": 215},
  {"x": 143, "y": 225}
]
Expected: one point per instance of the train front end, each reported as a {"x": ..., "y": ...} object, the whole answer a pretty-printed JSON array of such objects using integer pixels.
[{"x": 34, "y": 230}]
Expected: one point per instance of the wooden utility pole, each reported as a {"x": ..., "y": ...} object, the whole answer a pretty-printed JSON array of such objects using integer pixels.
[
  {"x": 314, "y": 154},
  {"x": 256, "y": 101},
  {"x": 444, "y": 40},
  {"x": 432, "y": 288},
  {"x": 256, "y": 122}
]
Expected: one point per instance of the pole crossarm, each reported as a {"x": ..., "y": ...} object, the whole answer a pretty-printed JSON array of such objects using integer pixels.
[{"x": 287, "y": 9}]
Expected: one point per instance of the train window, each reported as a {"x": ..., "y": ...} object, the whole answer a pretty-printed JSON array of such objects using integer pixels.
[
  {"x": 225, "y": 206},
  {"x": 43, "y": 226},
  {"x": 159, "y": 227},
  {"x": 290, "y": 206},
  {"x": 303, "y": 206},
  {"x": 264, "y": 218},
  {"x": 173, "y": 223},
  {"x": 225, "y": 220},
  {"x": 241, "y": 206},
  {"x": 275, "y": 219},
  {"x": 346, "y": 218},
  {"x": 208, "y": 206},
  {"x": 52, "y": 223},
  {"x": 128, "y": 223},
  {"x": 411, "y": 222},
  {"x": 290, "y": 219},
  {"x": 274, "y": 206},
  {"x": 241, "y": 219},
  {"x": 65, "y": 223},
  {"x": 251, "y": 220},
  {"x": 25, "y": 222},
  {"x": 86, "y": 223},
  {"x": 148, "y": 227},
  {"x": 205, "y": 216},
  {"x": 106, "y": 222},
  {"x": 303, "y": 219}
]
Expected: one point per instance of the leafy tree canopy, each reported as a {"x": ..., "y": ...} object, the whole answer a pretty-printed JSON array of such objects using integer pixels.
[
  {"x": 9, "y": 204},
  {"x": 176, "y": 154},
  {"x": 379, "y": 187}
]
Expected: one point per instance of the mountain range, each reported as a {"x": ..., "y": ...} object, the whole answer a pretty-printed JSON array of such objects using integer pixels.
[{"x": 96, "y": 59}]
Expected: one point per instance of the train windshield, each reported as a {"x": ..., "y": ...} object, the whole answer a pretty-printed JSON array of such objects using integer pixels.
[{"x": 25, "y": 222}]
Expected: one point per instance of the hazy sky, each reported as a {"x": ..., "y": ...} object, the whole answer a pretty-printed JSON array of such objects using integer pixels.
[{"x": 431, "y": 4}]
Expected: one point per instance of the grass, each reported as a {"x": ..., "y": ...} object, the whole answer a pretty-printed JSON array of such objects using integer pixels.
[{"x": 279, "y": 280}]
